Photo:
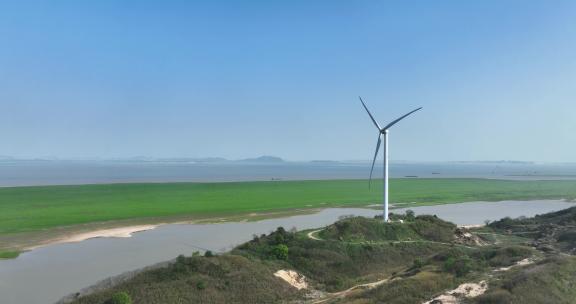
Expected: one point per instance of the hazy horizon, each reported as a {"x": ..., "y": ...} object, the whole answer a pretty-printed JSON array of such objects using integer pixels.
[
  {"x": 256, "y": 157},
  {"x": 117, "y": 79}
]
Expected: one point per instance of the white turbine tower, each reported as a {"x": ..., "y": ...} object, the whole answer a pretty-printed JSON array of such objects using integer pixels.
[{"x": 383, "y": 132}]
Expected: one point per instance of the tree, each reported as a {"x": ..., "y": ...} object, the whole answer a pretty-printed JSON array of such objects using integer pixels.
[
  {"x": 280, "y": 252},
  {"x": 120, "y": 298},
  {"x": 410, "y": 216},
  {"x": 280, "y": 235},
  {"x": 208, "y": 254}
]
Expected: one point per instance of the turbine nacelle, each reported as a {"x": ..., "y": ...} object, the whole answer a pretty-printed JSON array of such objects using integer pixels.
[{"x": 383, "y": 131}]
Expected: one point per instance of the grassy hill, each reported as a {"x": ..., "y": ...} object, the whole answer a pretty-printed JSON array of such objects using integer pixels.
[
  {"x": 552, "y": 280},
  {"x": 336, "y": 265},
  {"x": 360, "y": 229},
  {"x": 196, "y": 279},
  {"x": 410, "y": 262},
  {"x": 551, "y": 231}
]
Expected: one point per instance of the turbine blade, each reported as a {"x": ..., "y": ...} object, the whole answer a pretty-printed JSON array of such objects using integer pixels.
[
  {"x": 374, "y": 160},
  {"x": 399, "y": 119},
  {"x": 370, "y": 114}
]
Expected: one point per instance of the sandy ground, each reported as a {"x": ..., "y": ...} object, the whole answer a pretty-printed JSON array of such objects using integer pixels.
[
  {"x": 471, "y": 290},
  {"x": 121, "y": 232},
  {"x": 293, "y": 278},
  {"x": 471, "y": 226},
  {"x": 466, "y": 290},
  {"x": 26, "y": 241},
  {"x": 523, "y": 262}
]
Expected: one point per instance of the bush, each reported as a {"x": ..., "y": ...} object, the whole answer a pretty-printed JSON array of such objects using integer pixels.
[
  {"x": 120, "y": 298},
  {"x": 208, "y": 254},
  {"x": 418, "y": 263},
  {"x": 181, "y": 259},
  {"x": 410, "y": 216},
  {"x": 496, "y": 297},
  {"x": 280, "y": 252},
  {"x": 201, "y": 285},
  {"x": 459, "y": 266},
  {"x": 497, "y": 257},
  {"x": 568, "y": 236}
]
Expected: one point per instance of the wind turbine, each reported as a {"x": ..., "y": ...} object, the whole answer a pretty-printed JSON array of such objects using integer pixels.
[{"x": 383, "y": 133}]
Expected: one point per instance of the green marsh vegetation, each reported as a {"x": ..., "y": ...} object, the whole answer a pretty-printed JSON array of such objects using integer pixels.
[
  {"x": 9, "y": 254},
  {"x": 29, "y": 209}
]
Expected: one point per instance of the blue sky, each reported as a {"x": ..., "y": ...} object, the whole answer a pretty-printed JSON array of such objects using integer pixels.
[{"x": 244, "y": 78}]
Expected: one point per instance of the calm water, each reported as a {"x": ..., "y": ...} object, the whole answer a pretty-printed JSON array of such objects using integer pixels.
[
  {"x": 26, "y": 173},
  {"x": 47, "y": 274}
]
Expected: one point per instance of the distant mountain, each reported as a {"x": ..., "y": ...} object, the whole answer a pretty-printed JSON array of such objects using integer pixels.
[
  {"x": 263, "y": 159},
  {"x": 193, "y": 160},
  {"x": 504, "y": 162}
]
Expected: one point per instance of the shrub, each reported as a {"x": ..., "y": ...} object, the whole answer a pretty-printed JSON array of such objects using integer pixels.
[
  {"x": 568, "y": 236},
  {"x": 201, "y": 285},
  {"x": 280, "y": 252},
  {"x": 505, "y": 223},
  {"x": 418, "y": 263},
  {"x": 279, "y": 238},
  {"x": 410, "y": 216},
  {"x": 460, "y": 266},
  {"x": 208, "y": 254},
  {"x": 496, "y": 297},
  {"x": 120, "y": 298},
  {"x": 506, "y": 256}
]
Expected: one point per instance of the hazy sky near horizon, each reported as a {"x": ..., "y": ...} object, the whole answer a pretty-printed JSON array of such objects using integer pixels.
[{"x": 240, "y": 79}]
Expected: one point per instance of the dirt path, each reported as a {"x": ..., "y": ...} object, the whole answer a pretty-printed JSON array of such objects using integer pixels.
[
  {"x": 312, "y": 236},
  {"x": 344, "y": 293},
  {"x": 466, "y": 290}
]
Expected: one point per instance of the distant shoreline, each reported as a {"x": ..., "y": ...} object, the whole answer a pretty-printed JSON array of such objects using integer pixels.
[{"x": 54, "y": 172}]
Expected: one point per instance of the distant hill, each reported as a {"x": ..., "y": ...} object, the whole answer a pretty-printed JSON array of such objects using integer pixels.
[
  {"x": 194, "y": 160},
  {"x": 263, "y": 159}
]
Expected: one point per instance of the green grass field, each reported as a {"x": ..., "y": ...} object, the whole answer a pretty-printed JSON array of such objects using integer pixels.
[
  {"x": 9, "y": 254},
  {"x": 35, "y": 208}
]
